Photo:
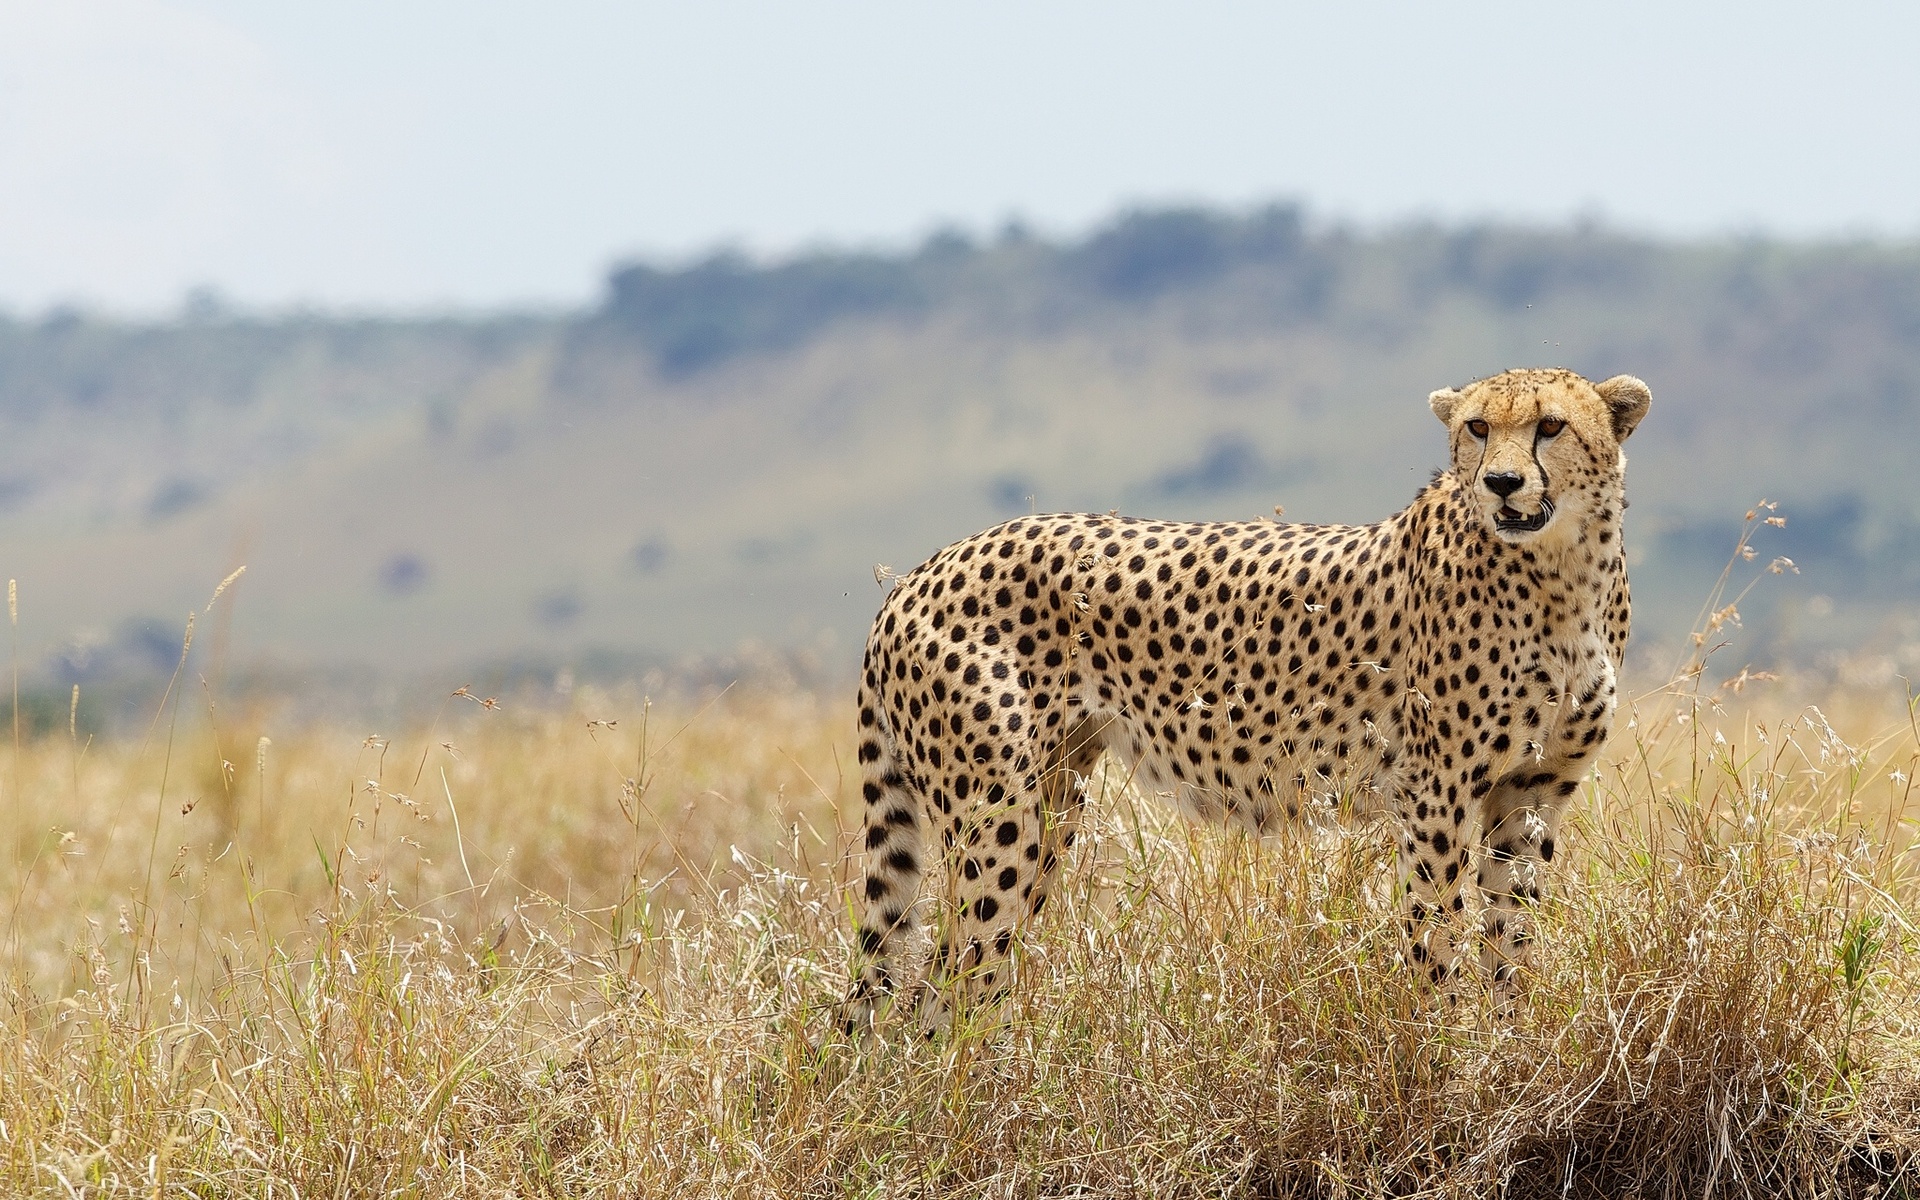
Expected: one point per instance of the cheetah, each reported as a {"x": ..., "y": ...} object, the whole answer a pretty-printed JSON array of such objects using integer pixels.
[{"x": 1458, "y": 660}]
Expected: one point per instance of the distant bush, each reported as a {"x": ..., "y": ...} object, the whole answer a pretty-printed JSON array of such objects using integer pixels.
[
  {"x": 694, "y": 317},
  {"x": 724, "y": 306},
  {"x": 173, "y": 497},
  {"x": 1148, "y": 252},
  {"x": 403, "y": 574},
  {"x": 649, "y": 555}
]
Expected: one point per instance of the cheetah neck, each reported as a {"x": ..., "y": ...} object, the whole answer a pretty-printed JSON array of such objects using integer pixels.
[
  {"x": 1581, "y": 577},
  {"x": 1576, "y": 569}
]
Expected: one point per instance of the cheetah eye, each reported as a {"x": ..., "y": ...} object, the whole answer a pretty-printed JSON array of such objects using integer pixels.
[
  {"x": 1551, "y": 426},
  {"x": 1477, "y": 428}
]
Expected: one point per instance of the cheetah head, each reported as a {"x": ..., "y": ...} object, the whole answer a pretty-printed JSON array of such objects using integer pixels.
[{"x": 1539, "y": 450}]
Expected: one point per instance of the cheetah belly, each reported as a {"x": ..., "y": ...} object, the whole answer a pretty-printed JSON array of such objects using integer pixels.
[{"x": 1258, "y": 797}]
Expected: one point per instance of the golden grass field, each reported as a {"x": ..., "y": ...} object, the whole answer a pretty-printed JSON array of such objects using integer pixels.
[{"x": 594, "y": 952}]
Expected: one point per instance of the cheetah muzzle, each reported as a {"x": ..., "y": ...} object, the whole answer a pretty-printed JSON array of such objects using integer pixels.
[
  {"x": 1510, "y": 520},
  {"x": 1458, "y": 659}
]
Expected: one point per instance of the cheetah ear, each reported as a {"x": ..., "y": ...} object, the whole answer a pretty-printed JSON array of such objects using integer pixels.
[
  {"x": 1627, "y": 399},
  {"x": 1443, "y": 402}
]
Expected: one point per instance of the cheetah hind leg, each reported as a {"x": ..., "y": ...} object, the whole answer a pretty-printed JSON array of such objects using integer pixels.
[
  {"x": 885, "y": 898},
  {"x": 1000, "y": 876},
  {"x": 983, "y": 911},
  {"x": 1063, "y": 795}
]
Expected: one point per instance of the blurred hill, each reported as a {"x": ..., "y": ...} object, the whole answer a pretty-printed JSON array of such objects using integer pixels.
[{"x": 720, "y": 452}]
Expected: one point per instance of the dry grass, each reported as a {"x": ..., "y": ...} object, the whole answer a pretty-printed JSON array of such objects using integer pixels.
[{"x": 550, "y": 956}]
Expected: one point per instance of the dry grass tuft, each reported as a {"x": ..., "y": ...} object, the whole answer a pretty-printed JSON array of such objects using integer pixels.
[{"x": 593, "y": 953}]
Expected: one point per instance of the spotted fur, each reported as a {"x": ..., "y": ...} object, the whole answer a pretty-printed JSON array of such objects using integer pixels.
[{"x": 1456, "y": 660}]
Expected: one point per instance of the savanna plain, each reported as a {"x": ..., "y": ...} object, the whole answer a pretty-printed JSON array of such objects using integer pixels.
[{"x": 593, "y": 948}]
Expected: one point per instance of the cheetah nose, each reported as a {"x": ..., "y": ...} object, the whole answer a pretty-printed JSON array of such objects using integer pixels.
[{"x": 1502, "y": 483}]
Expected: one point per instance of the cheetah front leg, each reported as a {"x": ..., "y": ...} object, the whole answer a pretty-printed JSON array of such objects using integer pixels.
[
  {"x": 1518, "y": 825},
  {"x": 1433, "y": 865},
  {"x": 1520, "y": 816}
]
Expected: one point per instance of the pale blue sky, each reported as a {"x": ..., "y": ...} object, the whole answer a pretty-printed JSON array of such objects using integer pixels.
[{"x": 397, "y": 154}]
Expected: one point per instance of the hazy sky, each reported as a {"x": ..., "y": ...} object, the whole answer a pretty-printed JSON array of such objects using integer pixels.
[{"x": 404, "y": 152}]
